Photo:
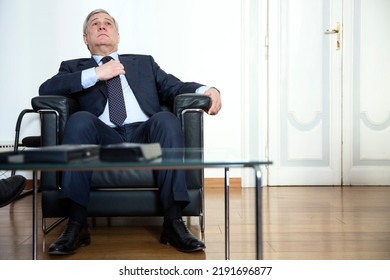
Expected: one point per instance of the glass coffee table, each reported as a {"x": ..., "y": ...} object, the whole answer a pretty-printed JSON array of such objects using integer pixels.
[{"x": 172, "y": 159}]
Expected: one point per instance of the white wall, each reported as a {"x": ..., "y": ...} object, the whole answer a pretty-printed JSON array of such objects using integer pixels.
[{"x": 196, "y": 40}]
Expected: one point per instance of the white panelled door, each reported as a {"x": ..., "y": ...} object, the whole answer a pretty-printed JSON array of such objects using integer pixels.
[
  {"x": 304, "y": 92},
  {"x": 329, "y": 92},
  {"x": 366, "y": 92}
]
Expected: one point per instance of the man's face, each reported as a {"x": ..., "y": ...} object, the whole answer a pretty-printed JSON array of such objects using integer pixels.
[{"x": 101, "y": 36}]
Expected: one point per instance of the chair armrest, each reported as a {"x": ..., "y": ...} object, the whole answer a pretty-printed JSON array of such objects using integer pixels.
[
  {"x": 189, "y": 107},
  {"x": 191, "y": 101},
  {"x": 55, "y": 111}
]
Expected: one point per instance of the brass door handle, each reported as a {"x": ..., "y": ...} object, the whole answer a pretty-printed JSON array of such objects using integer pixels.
[
  {"x": 335, "y": 31},
  {"x": 331, "y": 31}
]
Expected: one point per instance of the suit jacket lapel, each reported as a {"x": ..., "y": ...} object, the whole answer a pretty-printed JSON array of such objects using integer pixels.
[
  {"x": 132, "y": 65},
  {"x": 131, "y": 69},
  {"x": 87, "y": 64}
]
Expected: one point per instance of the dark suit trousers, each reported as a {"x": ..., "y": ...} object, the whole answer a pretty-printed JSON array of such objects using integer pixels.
[{"x": 163, "y": 127}]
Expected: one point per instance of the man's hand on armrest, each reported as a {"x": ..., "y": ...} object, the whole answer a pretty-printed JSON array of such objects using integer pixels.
[{"x": 216, "y": 103}]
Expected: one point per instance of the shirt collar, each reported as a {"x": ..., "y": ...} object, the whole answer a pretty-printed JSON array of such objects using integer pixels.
[{"x": 98, "y": 58}]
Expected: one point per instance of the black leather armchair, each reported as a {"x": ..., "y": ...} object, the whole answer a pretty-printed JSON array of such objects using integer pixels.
[{"x": 122, "y": 192}]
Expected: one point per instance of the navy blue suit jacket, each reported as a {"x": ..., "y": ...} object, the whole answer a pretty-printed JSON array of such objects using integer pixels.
[{"x": 150, "y": 84}]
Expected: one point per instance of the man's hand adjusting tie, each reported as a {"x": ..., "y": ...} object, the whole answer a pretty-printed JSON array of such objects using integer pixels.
[{"x": 109, "y": 70}]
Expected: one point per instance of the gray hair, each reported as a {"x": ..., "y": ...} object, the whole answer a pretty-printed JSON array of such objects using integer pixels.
[{"x": 94, "y": 12}]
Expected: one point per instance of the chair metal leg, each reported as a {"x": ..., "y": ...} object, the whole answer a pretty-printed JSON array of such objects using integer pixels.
[
  {"x": 201, "y": 222},
  {"x": 34, "y": 218},
  {"x": 47, "y": 228},
  {"x": 17, "y": 130},
  {"x": 259, "y": 225},
  {"x": 227, "y": 216},
  {"x": 25, "y": 193}
]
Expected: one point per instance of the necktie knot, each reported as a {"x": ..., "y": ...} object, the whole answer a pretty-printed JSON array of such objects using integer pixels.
[{"x": 106, "y": 59}]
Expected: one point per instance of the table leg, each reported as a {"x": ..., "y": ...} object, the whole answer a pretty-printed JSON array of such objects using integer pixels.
[
  {"x": 259, "y": 251},
  {"x": 34, "y": 221},
  {"x": 227, "y": 221}
]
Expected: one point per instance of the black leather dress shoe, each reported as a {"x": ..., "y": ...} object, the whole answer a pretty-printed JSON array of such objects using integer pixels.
[
  {"x": 74, "y": 236},
  {"x": 177, "y": 235},
  {"x": 11, "y": 188}
]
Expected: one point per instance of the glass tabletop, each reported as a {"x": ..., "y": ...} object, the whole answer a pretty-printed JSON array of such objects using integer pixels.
[{"x": 186, "y": 158}]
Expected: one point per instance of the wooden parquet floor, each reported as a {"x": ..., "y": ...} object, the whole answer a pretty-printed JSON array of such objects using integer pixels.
[{"x": 300, "y": 223}]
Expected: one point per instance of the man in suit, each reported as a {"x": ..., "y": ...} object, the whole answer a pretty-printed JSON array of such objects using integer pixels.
[{"x": 143, "y": 84}]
